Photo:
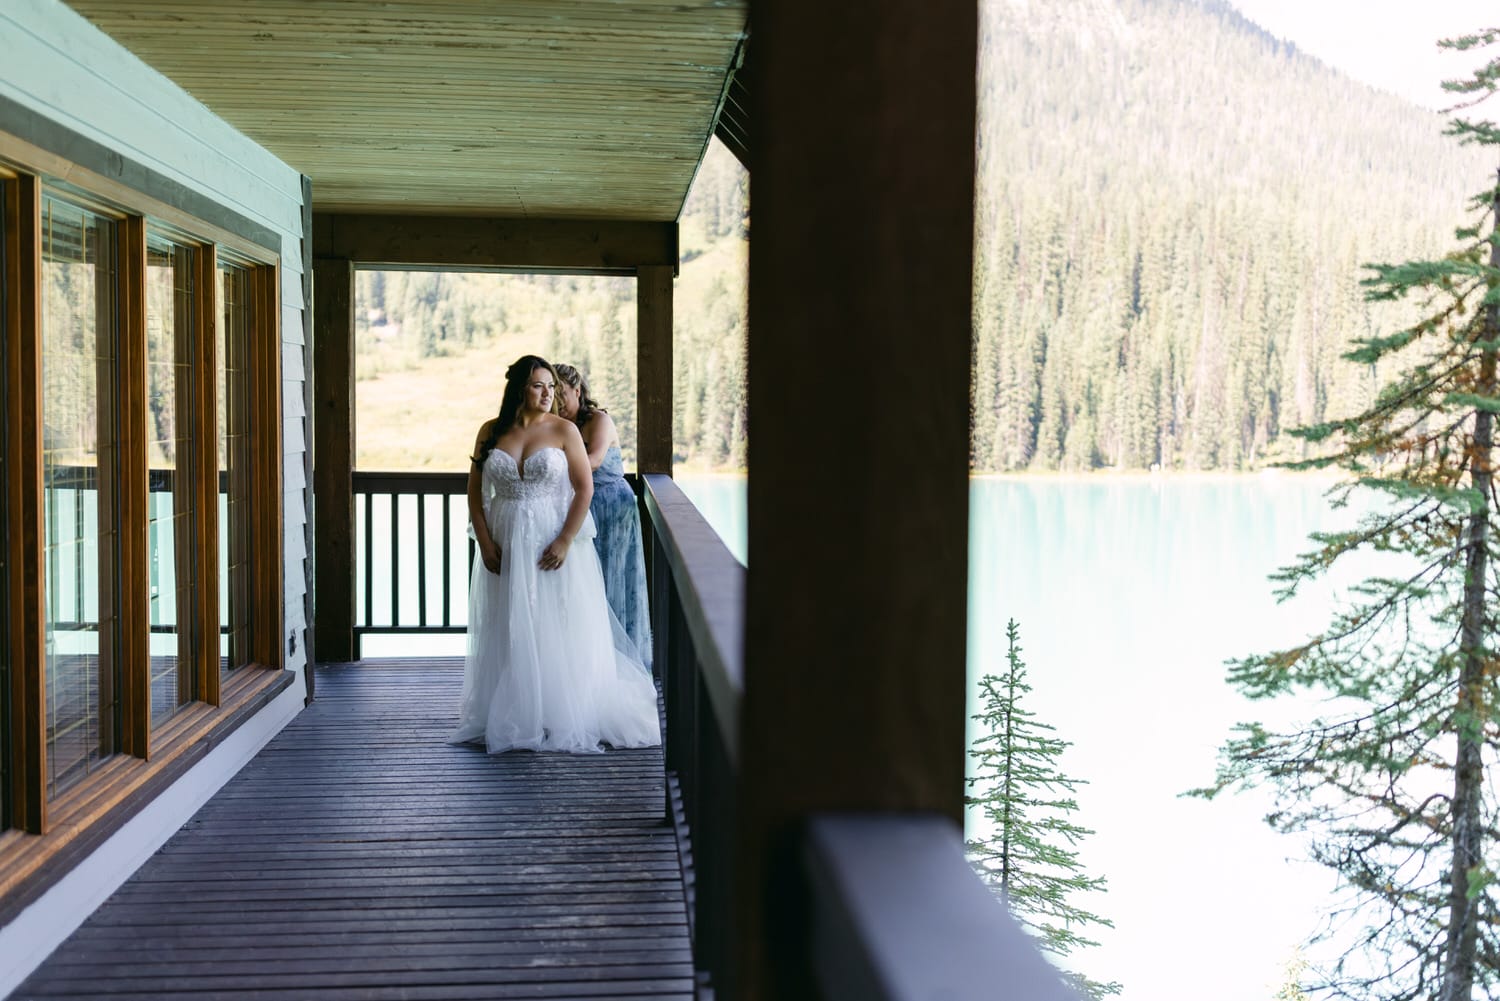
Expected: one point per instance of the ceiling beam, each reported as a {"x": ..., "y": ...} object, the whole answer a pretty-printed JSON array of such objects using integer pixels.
[{"x": 494, "y": 244}]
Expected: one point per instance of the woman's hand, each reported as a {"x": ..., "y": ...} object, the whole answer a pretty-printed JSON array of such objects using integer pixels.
[
  {"x": 490, "y": 554},
  {"x": 554, "y": 554}
]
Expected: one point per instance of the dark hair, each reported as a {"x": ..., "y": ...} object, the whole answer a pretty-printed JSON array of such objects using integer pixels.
[
  {"x": 586, "y": 404},
  {"x": 516, "y": 378}
]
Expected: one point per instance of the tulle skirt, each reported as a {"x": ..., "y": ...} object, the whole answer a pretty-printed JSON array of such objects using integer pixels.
[{"x": 548, "y": 667}]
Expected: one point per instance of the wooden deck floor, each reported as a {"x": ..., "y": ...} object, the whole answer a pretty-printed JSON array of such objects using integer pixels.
[{"x": 359, "y": 856}]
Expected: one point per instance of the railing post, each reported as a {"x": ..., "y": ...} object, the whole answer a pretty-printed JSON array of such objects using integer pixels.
[{"x": 333, "y": 459}]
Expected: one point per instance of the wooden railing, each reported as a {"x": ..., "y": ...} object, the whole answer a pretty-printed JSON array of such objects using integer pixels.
[
  {"x": 697, "y": 609},
  {"x": 70, "y": 493},
  {"x": 417, "y": 557},
  {"x": 896, "y": 913}
]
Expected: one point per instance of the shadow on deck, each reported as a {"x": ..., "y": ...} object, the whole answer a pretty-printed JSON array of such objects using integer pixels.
[{"x": 359, "y": 856}]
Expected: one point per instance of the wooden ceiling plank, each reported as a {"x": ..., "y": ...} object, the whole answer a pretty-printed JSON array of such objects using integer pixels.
[{"x": 575, "y": 108}]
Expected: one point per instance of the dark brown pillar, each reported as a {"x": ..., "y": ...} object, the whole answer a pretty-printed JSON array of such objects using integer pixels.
[
  {"x": 862, "y": 174},
  {"x": 333, "y": 459},
  {"x": 653, "y": 352}
]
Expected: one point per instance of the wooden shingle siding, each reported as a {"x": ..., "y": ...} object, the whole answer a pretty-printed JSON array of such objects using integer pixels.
[{"x": 360, "y": 856}]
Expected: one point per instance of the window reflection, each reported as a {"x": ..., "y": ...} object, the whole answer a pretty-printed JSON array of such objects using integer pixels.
[
  {"x": 170, "y": 512},
  {"x": 233, "y": 424},
  {"x": 80, "y": 490}
]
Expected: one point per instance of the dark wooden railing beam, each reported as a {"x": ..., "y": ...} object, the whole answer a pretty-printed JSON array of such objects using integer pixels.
[
  {"x": 698, "y": 625},
  {"x": 575, "y": 246},
  {"x": 333, "y": 459},
  {"x": 897, "y": 915},
  {"x": 710, "y": 583}
]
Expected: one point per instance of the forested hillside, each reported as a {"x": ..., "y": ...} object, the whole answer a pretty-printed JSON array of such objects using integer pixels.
[
  {"x": 1173, "y": 213},
  {"x": 1172, "y": 216},
  {"x": 432, "y": 348}
]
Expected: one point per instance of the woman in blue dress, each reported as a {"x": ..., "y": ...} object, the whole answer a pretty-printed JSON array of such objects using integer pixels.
[{"x": 616, "y": 516}]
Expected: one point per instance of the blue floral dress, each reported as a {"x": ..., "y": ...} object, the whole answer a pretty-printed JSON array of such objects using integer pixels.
[{"x": 618, "y": 542}]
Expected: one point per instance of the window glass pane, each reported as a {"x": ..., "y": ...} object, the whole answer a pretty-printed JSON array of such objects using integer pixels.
[
  {"x": 233, "y": 422},
  {"x": 170, "y": 394},
  {"x": 79, "y": 484}
]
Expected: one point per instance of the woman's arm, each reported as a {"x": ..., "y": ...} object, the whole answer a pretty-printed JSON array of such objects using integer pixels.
[
  {"x": 598, "y": 436},
  {"x": 582, "y": 480},
  {"x": 488, "y": 551}
]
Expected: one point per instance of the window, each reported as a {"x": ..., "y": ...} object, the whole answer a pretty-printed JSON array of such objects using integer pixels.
[
  {"x": 80, "y": 488},
  {"x": 235, "y": 456},
  {"x": 140, "y": 485},
  {"x": 171, "y": 512}
]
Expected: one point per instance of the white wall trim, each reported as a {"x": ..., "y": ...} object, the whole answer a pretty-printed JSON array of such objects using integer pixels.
[{"x": 44, "y": 925}]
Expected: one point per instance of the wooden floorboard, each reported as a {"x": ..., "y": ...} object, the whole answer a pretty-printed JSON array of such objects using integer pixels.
[{"x": 361, "y": 857}]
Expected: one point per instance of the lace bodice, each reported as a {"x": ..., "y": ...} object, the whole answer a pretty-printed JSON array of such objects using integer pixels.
[{"x": 543, "y": 475}]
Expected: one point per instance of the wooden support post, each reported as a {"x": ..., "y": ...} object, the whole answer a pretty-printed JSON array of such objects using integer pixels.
[
  {"x": 860, "y": 289},
  {"x": 25, "y": 652},
  {"x": 653, "y": 352},
  {"x": 333, "y": 458}
]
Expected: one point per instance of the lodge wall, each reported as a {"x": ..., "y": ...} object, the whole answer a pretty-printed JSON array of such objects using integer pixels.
[
  {"x": 71, "y": 95},
  {"x": 67, "y": 80}
]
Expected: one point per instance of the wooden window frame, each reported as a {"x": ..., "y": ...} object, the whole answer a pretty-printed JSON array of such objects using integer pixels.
[
  {"x": 267, "y": 544},
  {"x": 45, "y": 836},
  {"x": 23, "y": 538},
  {"x": 206, "y": 322}
]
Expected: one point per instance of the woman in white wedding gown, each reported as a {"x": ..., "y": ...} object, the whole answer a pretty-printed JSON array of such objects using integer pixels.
[{"x": 544, "y": 670}]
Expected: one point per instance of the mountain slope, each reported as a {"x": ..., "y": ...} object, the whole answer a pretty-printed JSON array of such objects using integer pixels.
[{"x": 1173, "y": 212}]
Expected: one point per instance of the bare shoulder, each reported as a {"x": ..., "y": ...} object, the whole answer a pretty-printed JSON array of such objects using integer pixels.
[
  {"x": 558, "y": 427},
  {"x": 484, "y": 430}
]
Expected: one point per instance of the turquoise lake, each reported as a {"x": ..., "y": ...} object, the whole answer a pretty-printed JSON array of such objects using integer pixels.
[{"x": 1130, "y": 593}]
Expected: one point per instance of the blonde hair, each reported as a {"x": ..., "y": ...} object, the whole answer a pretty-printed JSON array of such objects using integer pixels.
[{"x": 586, "y": 404}]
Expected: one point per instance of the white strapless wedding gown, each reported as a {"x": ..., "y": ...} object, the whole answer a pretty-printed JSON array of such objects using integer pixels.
[{"x": 544, "y": 670}]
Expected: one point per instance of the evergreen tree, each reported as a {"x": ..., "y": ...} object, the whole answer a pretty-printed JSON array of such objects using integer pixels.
[
  {"x": 1031, "y": 858},
  {"x": 1396, "y": 785},
  {"x": 612, "y": 377},
  {"x": 1291, "y": 988}
]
